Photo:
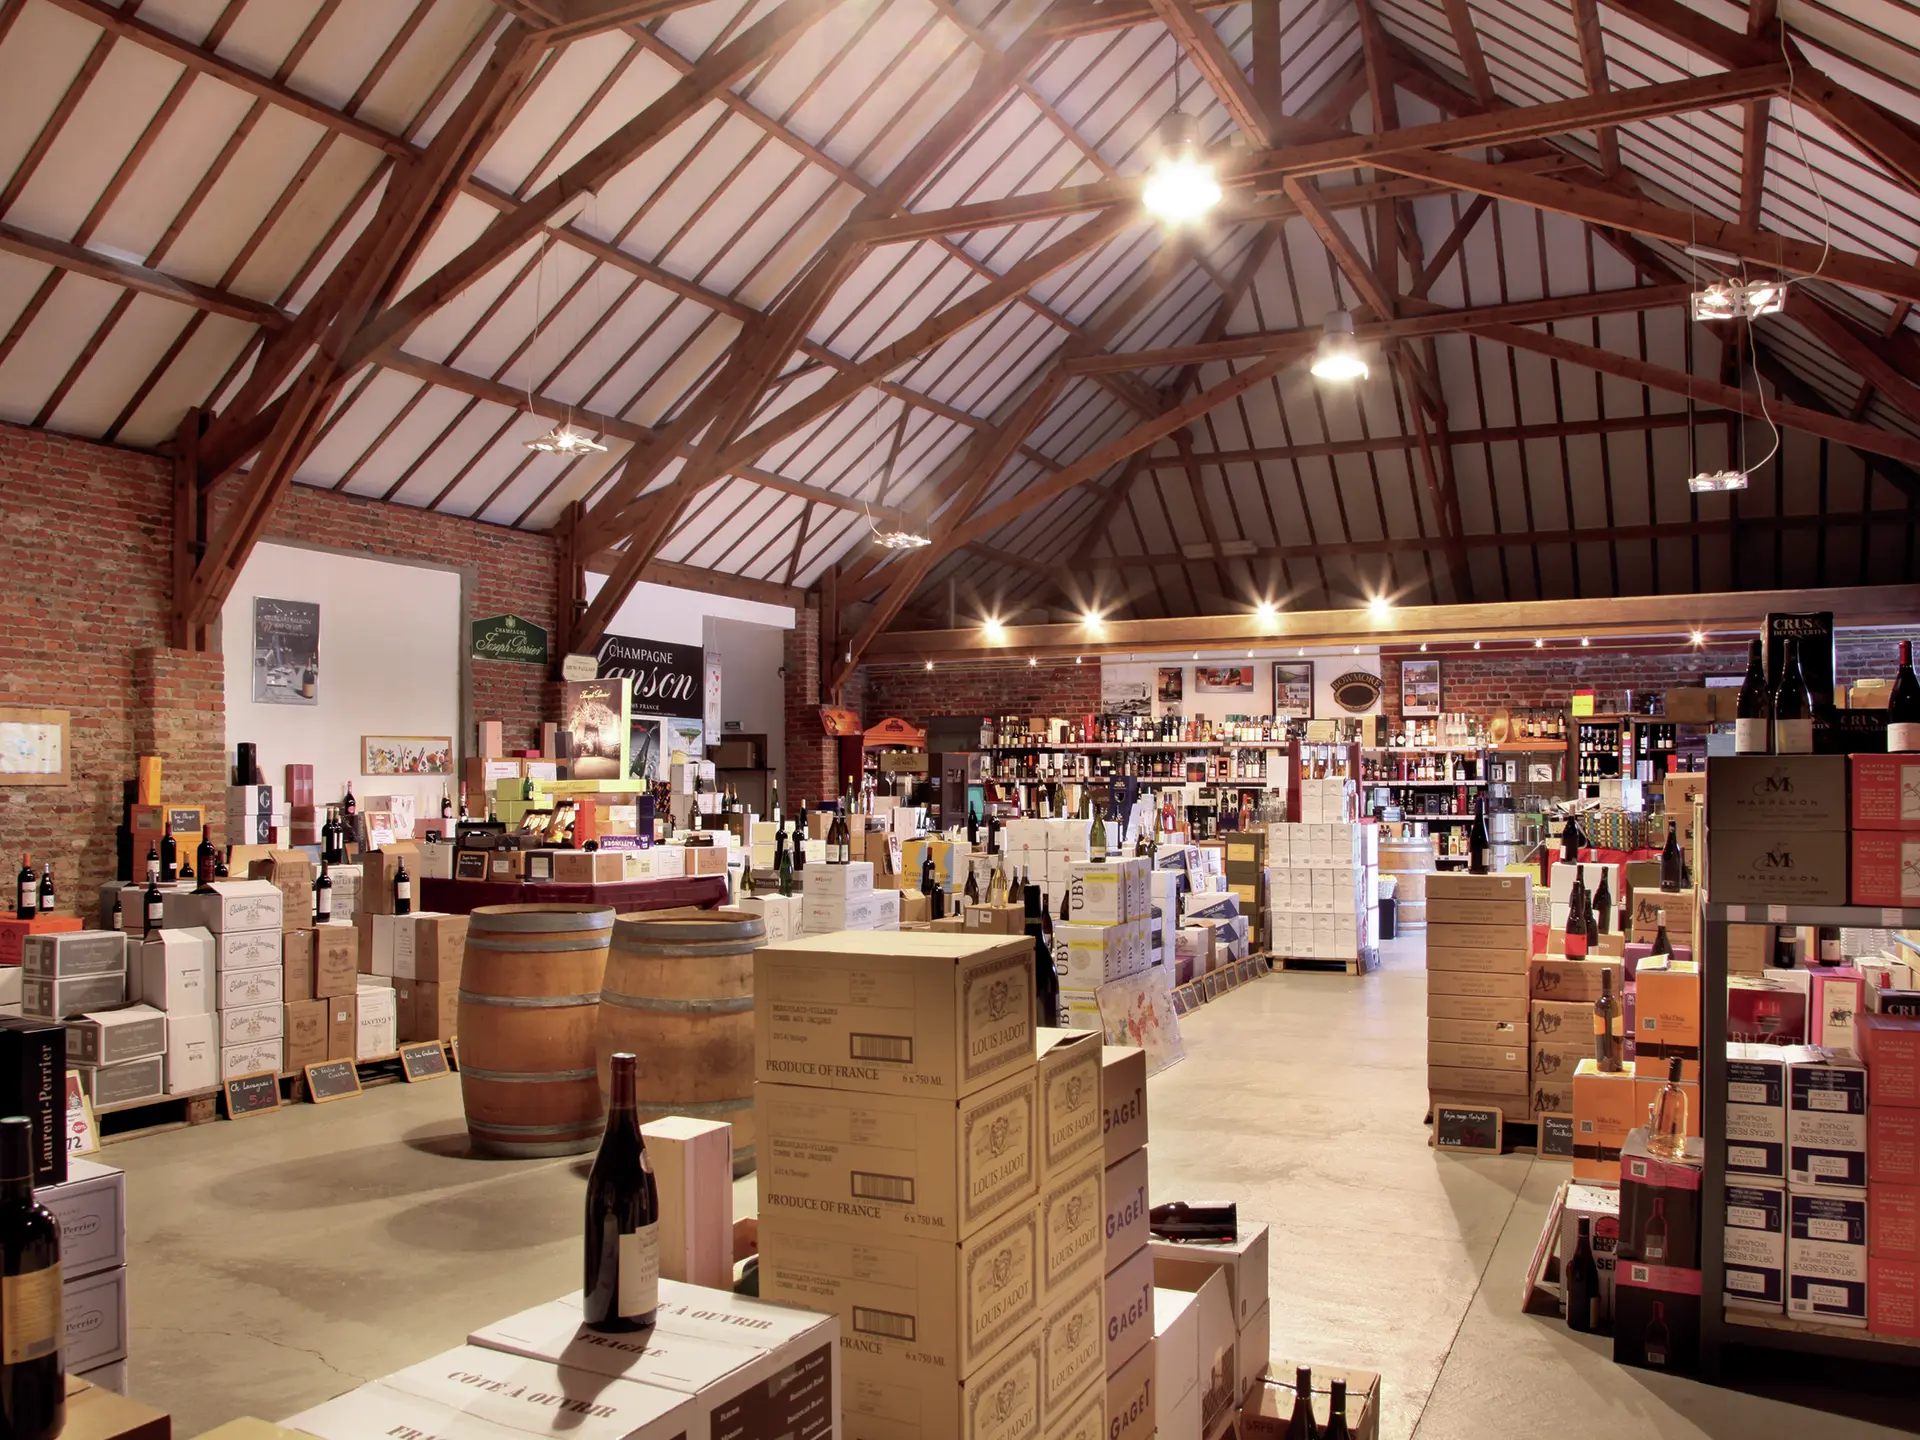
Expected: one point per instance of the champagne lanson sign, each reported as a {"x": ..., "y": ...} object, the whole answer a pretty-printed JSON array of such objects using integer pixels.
[{"x": 667, "y": 679}]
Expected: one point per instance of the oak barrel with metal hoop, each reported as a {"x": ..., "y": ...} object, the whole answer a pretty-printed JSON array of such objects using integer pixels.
[
  {"x": 679, "y": 995},
  {"x": 529, "y": 998},
  {"x": 1409, "y": 861}
]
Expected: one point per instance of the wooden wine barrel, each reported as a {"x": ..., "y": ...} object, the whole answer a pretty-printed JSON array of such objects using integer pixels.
[
  {"x": 1409, "y": 861},
  {"x": 679, "y": 995},
  {"x": 529, "y": 997}
]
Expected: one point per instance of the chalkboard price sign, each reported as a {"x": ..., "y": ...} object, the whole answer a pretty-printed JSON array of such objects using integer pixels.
[
  {"x": 1456, "y": 1127},
  {"x": 332, "y": 1080},
  {"x": 423, "y": 1061},
  {"x": 1556, "y": 1136},
  {"x": 252, "y": 1094}
]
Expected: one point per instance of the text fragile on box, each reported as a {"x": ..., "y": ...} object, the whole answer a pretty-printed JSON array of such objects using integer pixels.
[{"x": 903, "y": 1012}]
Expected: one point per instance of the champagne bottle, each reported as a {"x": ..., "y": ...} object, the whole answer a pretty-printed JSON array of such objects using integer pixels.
[
  {"x": 1753, "y": 725},
  {"x": 783, "y": 862},
  {"x": 1792, "y": 705},
  {"x": 156, "y": 908},
  {"x": 1672, "y": 865},
  {"x": 1337, "y": 1413},
  {"x": 1903, "y": 706},
  {"x": 800, "y": 840},
  {"x": 1607, "y": 1038},
  {"x": 972, "y": 891},
  {"x": 323, "y": 896},
  {"x": 26, "y": 893},
  {"x": 1583, "y": 1284},
  {"x": 1667, "y": 1123},
  {"x": 1603, "y": 905},
  {"x": 1300, "y": 1426},
  {"x": 169, "y": 854},
  {"x": 622, "y": 1289},
  {"x": 32, "y": 1386},
  {"x": 402, "y": 889},
  {"x": 746, "y": 877}
]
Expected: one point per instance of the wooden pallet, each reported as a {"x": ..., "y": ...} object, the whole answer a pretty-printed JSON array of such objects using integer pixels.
[{"x": 1367, "y": 962}]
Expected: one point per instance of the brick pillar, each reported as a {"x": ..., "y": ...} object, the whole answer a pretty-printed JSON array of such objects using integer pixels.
[
  {"x": 810, "y": 752},
  {"x": 180, "y": 714}
]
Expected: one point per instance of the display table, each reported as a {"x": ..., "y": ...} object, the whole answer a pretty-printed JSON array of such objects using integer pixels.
[{"x": 463, "y": 897}]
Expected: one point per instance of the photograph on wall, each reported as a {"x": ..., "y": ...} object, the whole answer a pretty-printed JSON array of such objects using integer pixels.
[
  {"x": 1125, "y": 694},
  {"x": 406, "y": 755},
  {"x": 1419, "y": 687},
  {"x": 1223, "y": 679},
  {"x": 598, "y": 713},
  {"x": 286, "y": 652},
  {"x": 1170, "y": 685},
  {"x": 1292, "y": 691},
  {"x": 643, "y": 748}
]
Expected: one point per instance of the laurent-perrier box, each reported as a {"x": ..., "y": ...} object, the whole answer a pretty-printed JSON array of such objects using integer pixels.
[
  {"x": 894, "y": 1012},
  {"x": 891, "y": 1164}
]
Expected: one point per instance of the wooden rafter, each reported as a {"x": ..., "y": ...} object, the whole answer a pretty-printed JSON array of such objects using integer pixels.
[{"x": 1222, "y": 72}]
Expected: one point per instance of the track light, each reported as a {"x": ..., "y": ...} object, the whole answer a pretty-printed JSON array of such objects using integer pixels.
[
  {"x": 1539, "y": 644},
  {"x": 1338, "y": 356},
  {"x": 1476, "y": 644},
  {"x": 929, "y": 664},
  {"x": 1739, "y": 300},
  {"x": 1699, "y": 637},
  {"x": 1032, "y": 660},
  {"x": 1423, "y": 647},
  {"x": 1708, "y": 482},
  {"x": 1181, "y": 187},
  {"x": 565, "y": 440},
  {"x": 1584, "y": 642}
]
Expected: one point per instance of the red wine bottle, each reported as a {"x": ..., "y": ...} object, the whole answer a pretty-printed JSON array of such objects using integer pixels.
[
  {"x": 26, "y": 893},
  {"x": 1903, "y": 706},
  {"x": 169, "y": 854},
  {"x": 402, "y": 889},
  {"x": 33, "y": 1389},
  {"x": 1583, "y": 1284},
  {"x": 622, "y": 1289},
  {"x": 1301, "y": 1425}
]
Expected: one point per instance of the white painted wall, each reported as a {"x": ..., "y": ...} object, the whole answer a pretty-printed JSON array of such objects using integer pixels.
[
  {"x": 660, "y": 612},
  {"x": 390, "y": 642}
]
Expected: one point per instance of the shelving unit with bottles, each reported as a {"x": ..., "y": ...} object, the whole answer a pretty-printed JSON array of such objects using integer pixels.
[{"x": 1721, "y": 1328}]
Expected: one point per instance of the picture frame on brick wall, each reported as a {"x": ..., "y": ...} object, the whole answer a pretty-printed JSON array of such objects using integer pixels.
[
  {"x": 286, "y": 652},
  {"x": 33, "y": 746},
  {"x": 1419, "y": 687}
]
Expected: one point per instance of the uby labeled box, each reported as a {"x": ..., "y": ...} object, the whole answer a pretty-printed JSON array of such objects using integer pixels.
[
  {"x": 916, "y": 1308},
  {"x": 895, "y": 1012},
  {"x": 895, "y": 1164}
]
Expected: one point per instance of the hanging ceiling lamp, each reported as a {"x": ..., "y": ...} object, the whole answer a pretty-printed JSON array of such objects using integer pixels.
[
  {"x": 1182, "y": 187},
  {"x": 894, "y": 539},
  {"x": 565, "y": 440},
  {"x": 1338, "y": 356},
  {"x": 1709, "y": 481}
]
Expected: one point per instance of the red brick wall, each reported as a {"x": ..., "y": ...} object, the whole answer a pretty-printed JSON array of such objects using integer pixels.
[
  {"x": 85, "y": 539},
  {"x": 811, "y": 753},
  {"x": 1019, "y": 689}
]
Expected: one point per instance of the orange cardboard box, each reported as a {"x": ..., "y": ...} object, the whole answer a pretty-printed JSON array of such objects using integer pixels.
[
  {"x": 1604, "y": 1110},
  {"x": 1666, "y": 1019},
  {"x": 12, "y": 932}
]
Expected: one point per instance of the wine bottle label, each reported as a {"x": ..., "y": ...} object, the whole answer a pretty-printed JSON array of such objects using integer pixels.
[
  {"x": 1793, "y": 737},
  {"x": 1606, "y": 1025},
  {"x": 640, "y": 1271},
  {"x": 403, "y": 890},
  {"x": 31, "y": 1323},
  {"x": 1903, "y": 735},
  {"x": 1750, "y": 736}
]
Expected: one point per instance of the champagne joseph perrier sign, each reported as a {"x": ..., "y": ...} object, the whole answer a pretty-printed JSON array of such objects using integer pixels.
[{"x": 508, "y": 637}]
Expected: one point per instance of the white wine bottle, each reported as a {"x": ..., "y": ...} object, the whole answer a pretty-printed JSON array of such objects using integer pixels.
[
  {"x": 1792, "y": 705},
  {"x": 1753, "y": 722},
  {"x": 622, "y": 1288}
]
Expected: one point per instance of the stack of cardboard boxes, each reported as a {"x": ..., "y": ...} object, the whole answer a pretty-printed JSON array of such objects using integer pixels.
[
  {"x": 1323, "y": 887},
  {"x": 319, "y": 984},
  {"x": 1892, "y": 1044},
  {"x": 1106, "y": 935},
  {"x": 1211, "y": 1313},
  {"x": 245, "y": 919},
  {"x": 1140, "y": 1398},
  {"x": 914, "y": 1182},
  {"x": 1479, "y": 944},
  {"x": 90, "y": 1206}
]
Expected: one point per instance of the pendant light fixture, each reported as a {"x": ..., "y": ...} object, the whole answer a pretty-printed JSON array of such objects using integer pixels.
[
  {"x": 562, "y": 439},
  {"x": 894, "y": 539},
  {"x": 1338, "y": 356},
  {"x": 1182, "y": 187}
]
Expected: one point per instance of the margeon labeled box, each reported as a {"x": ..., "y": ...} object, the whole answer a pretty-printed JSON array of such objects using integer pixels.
[
  {"x": 894, "y": 1012},
  {"x": 915, "y": 1308},
  {"x": 764, "y": 1374},
  {"x": 895, "y": 1164}
]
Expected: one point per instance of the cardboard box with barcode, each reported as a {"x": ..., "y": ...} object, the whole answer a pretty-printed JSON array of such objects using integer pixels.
[
  {"x": 1605, "y": 1110},
  {"x": 917, "y": 1013},
  {"x": 1755, "y": 1249},
  {"x": 1457, "y": 898},
  {"x": 1827, "y": 1257},
  {"x": 896, "y": 1164},
  {"x": 380, "y": 867},
  {"x": 1826, "y": 1122},
  {"x": 756, "y": 1371},
  {"x": 231, "y": 906}
]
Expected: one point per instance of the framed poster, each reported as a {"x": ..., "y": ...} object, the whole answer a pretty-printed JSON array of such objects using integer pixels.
[
  {"x": 33, "y": 746},
  {"x": 406, "y": 755},
  {"x": 1124, "y": 694},
  {"x": 286, "y": 652},
  {"x": 1419, "y": 687},
  {"x": 1139, "y": 1011},
  {"x": 1292, "y": 690},
  {"x": 1223, "y": 679},
  {"x": 1170, "y": 684},
  {"x": 598, "y": 713}
]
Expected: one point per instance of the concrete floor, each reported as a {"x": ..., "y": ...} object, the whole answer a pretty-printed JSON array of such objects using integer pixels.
[{"x": 280, "y": 1260}]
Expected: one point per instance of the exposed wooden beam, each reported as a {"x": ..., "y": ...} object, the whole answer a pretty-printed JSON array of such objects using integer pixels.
[
  {"x": 1761, "y": 15},
  {"x": 1443, "y": 256},
  {"x": 1593, "y": 64},
  {"x": 1466, "y": 39},
  {"x": 1094, "y": 17},
  {"x": 577, "y": 19},
  {"x": 1865, "y": 353},
  {"x": 1644, "y": 217},
  {"x": 1267, "y": 56},
  {"x": 1222, "y": 72},
  {"x": 1346, "y": 254},
  {"x": 152, "y": 37},
  {"x": 1426, "y": 320},
  {"x": 1270, "y": 169},
  {"x": 706, "y": 581},
  {"x": 67, "y": 256}
]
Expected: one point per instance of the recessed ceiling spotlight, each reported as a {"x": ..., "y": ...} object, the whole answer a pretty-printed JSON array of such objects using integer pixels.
[
  {"x": 1584, "y": 642},
  {"x": 1476, "y": 644},
  {"x": 1699, "y": 637},
  {"x": 1539, "y": 644},
  {"x": 993, "y": 629}
]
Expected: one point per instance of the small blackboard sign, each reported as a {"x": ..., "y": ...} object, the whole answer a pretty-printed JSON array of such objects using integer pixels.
[
  {"x": 1458, "y": 1127},
  {"x": 332, "y": 1080},
  {"x": 1556, "y": 1136},
  {"x": 252, "y": 1094},
  {"x": 423, "y": 1061}
]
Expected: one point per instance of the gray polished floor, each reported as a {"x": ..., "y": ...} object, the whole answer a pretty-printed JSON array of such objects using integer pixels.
[{"x": 279, "y": 1260}]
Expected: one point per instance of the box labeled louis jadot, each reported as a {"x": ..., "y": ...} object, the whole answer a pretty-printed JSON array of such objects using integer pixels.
[
  {"x": 1082, "y": 1418},
  {"x": 756, "y": 1372},
  {"x": 895, "y": 1164},
  {"x": 1072, "y": 1237},
  {"x": 918, "y": 1013},
  {"x": 491, "y": 1393},
  {"x": 1069, "y": 1086},
  {"x": 911, "y": 1307},
  {"x": 1073, "y": 1349}
]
